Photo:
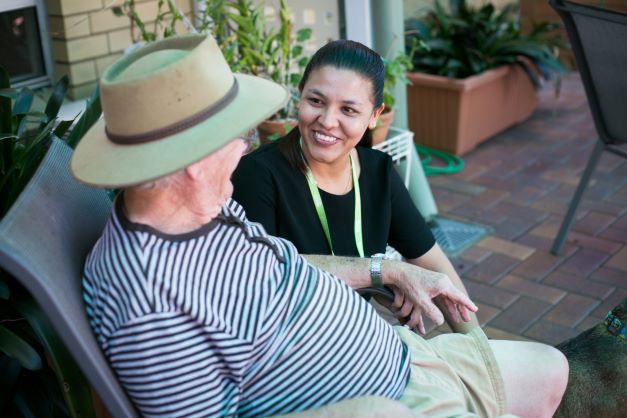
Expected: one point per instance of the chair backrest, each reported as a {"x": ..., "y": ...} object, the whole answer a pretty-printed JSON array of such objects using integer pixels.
[
  {"x": 599, "y": 41},
  {"x": 44, "y": 239}
]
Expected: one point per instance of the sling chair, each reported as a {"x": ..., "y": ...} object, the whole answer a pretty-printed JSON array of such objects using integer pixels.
[{"x": 599, "y": 41}]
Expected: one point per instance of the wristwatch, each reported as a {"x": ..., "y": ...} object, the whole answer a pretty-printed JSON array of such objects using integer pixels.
[{"x": 375, "y": 269}]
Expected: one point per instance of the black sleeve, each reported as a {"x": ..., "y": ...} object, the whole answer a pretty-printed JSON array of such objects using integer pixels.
[
  {"x": 254, "y": 189},
  {"x": 409, "y": 233}
]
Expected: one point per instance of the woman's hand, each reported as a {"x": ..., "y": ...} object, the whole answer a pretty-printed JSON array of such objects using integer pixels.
[{"x": 415, "y": 288}]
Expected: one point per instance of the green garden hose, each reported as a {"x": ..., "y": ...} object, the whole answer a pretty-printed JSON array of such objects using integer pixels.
[{"x": 451, "y": 163}]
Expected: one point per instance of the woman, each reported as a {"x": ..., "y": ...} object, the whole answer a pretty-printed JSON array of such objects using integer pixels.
[{"x": 318, "y": 189}]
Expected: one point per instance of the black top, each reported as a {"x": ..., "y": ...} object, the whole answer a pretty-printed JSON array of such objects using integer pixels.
[{"x": 275, "y": 194}]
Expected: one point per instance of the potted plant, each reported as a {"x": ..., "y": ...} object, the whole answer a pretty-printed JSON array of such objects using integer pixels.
[
  {"x": 275, "y": 53},
  {"x": 250, "y": 45},
  {"x": 478, "y": 74},
  {"x": 39, "y": 377},
  {"x": 395, "y": 71}
]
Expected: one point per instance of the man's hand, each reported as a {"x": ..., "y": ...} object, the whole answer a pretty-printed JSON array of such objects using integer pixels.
[{"x": 414, "y": 290}]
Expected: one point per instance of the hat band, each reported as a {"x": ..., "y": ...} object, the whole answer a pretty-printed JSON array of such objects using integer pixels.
[{"x": 178, "y": 126}]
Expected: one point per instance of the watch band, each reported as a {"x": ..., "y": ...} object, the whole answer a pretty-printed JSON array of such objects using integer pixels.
[{"x": 375, "y": 269}]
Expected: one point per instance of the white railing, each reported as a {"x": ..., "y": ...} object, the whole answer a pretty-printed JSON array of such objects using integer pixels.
[{"x": 398, "y": 145}]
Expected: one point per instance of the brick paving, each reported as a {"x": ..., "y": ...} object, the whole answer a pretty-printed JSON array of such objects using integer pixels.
[{"x": 520, "y": 183}]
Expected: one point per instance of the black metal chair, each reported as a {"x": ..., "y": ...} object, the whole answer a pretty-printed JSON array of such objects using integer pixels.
[
  {"x": 599, "y": 41},
  {"x": 44, "y": 239}
]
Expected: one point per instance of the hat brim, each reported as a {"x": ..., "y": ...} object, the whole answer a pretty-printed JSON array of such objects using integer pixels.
[{"x": 99, "y": 162}]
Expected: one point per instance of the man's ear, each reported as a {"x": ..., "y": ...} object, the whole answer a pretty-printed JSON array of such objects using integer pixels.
[{"x": 193, "y": 171}]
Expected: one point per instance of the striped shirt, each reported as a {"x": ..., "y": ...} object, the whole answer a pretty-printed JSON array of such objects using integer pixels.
[{"x": 227, "y": 320}]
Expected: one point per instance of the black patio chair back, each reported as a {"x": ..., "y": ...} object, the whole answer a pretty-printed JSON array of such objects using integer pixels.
[
  {"x": 44, "y": 239},
  {"x": 599, "y": 41}
]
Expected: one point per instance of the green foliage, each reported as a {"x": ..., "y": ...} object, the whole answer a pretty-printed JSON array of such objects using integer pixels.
[
  {"x": 25, "y": 133},
  {"x": 39, "y": 377},
  {"x": 468, "y": 41},
  {"x": 249, "y": 43},
  {"x": 395, "y": 70}
]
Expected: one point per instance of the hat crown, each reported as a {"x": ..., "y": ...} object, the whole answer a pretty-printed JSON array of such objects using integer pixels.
[{"x": 163, "y": 84}]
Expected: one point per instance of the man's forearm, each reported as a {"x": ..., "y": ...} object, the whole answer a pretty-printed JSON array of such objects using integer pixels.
[{"x": 353, "y": 271}]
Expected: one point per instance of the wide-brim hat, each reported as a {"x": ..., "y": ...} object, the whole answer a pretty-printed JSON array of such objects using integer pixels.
[{"x": 166, "y": 106}]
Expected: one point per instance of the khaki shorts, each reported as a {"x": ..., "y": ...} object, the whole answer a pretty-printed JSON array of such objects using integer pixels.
[{"x": 453, "y": 375}]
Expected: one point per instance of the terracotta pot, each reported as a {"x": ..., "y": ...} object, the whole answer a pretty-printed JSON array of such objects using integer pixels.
[
  {"x": 271, "y": 130},
  {"x": 383, "y": 126},
  {"x": 456, "y": 115}
]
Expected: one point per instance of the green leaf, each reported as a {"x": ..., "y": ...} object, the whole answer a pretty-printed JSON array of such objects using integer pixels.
[
  {"x": 117, "y": 11},
  {"x": 303, "y": 34},
  {"x": 23, "y": 102},
  {"x": 56, "y": 98},
  {"x": 8, "y": 93},
  {"x": 87, "y": 119},
  {"x": 76, "y": 389},
  {"x": 18, "y": 349},
  {"x": 62, "y": 127}
]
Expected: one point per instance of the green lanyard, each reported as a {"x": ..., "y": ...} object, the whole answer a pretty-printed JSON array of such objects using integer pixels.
[{"x": 315, "y": 194}]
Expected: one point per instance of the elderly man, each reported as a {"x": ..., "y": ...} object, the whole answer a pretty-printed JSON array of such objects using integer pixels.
[{"x": 201, "y": 313}]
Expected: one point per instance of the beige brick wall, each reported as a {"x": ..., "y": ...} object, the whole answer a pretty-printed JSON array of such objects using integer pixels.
[{"x": 87, "y": 37}]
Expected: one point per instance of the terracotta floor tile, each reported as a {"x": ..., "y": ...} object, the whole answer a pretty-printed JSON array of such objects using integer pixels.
[
  {"x": 520, "y": 315},
  {"x": 486, "y": 313},
  {"x": 615, "y": 234},
  {"x": 618, "y": 261},
  {"x": 576, "y": 284},
  {"x": 593, "y": 223},
  {"x": 610, "y": 276},
  {"x": 571, "y": 310},
  {"x": 584, "y": 262},
  {"x": 511, "y": 249},
  {"x": 550, "y": 333},
  {"x": 492, "y": 268},
  {"x": 475, "y": 254},
  {"x": 493, "y": 296},
  {"x": 610, "y": 302},
  {"x": 532, "y": 289},
  {"x": 589, "y": 322},
  {"x": 499, "y": 334},
  {"x": 538, "y": 266},
  {"x": 593, "y": 243},
  {"x": 456, "y": 185},
  {"x": 545, "y": 244},
  {"x": 513, "y": 229}
]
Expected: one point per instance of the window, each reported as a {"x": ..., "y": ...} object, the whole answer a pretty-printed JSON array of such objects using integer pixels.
[{"x": 24, "y": 50}]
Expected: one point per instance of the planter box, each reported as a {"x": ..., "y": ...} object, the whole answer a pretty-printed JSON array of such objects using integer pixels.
[{"x": 455, "y": 115}]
